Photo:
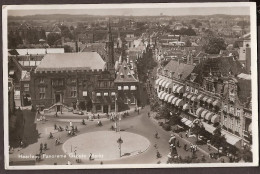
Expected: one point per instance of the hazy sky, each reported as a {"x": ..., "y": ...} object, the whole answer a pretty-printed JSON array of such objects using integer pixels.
[{"x": 140, "y": 11}]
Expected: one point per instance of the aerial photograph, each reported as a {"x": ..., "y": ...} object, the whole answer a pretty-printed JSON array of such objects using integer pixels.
[{"x": 104, "y": 86}]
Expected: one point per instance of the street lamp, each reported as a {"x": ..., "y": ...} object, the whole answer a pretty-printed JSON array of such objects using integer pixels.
[{"x": 120, "y": 142}]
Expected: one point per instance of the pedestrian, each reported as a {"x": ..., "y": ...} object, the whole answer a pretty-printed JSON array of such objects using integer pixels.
[
  {"x": 66, "y": 128},
  {"x": 186, "y": 134},
  {"x": 191, "y": 147},
  {"x": 178, "y": 143},
  {"x": 56, "y": 114},
  {"x": 138, "y": 110},
  {"x": 56, "y": 141},
  {"x": 185, "y": 147},
  {"x": 71, "y": 124},
  {"x": 98, "y": 116},
  {"x": 172, "y": 140},
  {"x": 21, "y": 144},
  {"x": 55, "y": 126},
  {"x": 41, "y": 146},
  {"x": 45, "y": 146}
]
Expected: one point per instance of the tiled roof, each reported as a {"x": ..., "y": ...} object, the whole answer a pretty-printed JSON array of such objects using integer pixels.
[
  {"x": 124, "y": 74},
  {"x": 179, "y": 68},
  {"x": 222, "y": 65},
  {"x": 71, "y": 61}
]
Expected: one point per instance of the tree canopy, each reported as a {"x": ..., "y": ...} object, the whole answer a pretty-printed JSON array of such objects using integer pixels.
[
  {"x": 214, "y": 44},
  {"x": 53, "y": 38}
]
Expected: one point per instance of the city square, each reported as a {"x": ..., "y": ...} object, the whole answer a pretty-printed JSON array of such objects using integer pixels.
[{"x": 158, "y": 89}]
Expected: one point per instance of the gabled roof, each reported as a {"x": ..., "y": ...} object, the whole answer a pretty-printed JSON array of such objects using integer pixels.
[
  {"x": 71, "y": 61},
  {"x": 124, "y": 74}
]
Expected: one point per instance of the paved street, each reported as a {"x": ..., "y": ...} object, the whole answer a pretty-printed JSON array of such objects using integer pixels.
[{"x": 138, "y": 124}]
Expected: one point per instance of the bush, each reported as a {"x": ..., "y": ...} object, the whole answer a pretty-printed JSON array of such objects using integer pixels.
[
  {"x": 160, "y": 123},
  {"x": 166, "y": 127}
]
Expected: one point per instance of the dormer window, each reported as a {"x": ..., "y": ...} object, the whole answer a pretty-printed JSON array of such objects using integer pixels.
[
  {"x": 121, "y": 75},
  {"x": 128, "y": 74},
  {"x": 172, "y": 73}
]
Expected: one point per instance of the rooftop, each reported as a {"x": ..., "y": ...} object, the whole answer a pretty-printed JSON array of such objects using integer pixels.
[
  {"x": 125, "y": 74},
  {"x": 71, "y": 61}
]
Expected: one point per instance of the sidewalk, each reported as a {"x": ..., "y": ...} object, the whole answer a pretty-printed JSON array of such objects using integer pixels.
[{"x": 190, "y": 140}]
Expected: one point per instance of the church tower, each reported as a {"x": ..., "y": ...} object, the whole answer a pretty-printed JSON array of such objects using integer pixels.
[{"x": 110, "y": 51}]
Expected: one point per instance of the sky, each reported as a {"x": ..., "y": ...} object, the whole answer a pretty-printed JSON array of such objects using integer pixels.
[{"x": 139, "y": 11}]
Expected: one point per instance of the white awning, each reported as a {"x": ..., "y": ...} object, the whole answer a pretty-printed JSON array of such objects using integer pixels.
[
  {"x": 209, "y": 115},
  {"x": 164, "y": 83},
  {"x": 160, "y": 82},
  {"x": 113, "y": 93},
  {"x": 174, "y": 100},
  {"x": 119, "y": 87},
  {"x": 250, "y": 127},
  {"x": 174, "y": 88},
  {"x": 183, "y": 120},
  {"x": 157, "y": 81},
  {"x": 231, "y": 139},
  {"x": 11, "y": 72},
  {"x": 132, "y": 88},
  {"x": 210, "y": 101},
  {"x": 185, "y": 94},
  {"x": 200, "y": 97},
  {"x": 205, "y": 99},
  {"x": 160, "y": 94},
  {"x": 203, "y": 114},
  {"x": 168, "y": 85},
  {"x": 188, "y": 123},
  {"x": 189, "y": 96},
  {"x": 126, "y": 87},
  {"x": 179, "y": 102},
  {"x": 98, "y": 94},
  {"x": 216, "y": 103},
  {"x": 180, "y": 89},
  {"x": 215, "y": 119},
  {"x": 167, "y": 97},
  {"x": 85, "y": 93},
  {"x": 193, "y": 98},
  {"x": 209, "y": 128},
  {"x": 170, "y": 98},
  {"x": 185, "y": 106},
  {"x": 105, "y": 93},
  {"x": 163, "y": 96},
  {"x": 199, "y": 111}
]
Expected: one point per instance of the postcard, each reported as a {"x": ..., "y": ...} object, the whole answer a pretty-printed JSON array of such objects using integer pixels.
[{"x": 157, "y": 85}]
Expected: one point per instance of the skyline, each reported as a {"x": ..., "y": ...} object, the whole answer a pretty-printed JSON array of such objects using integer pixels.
[{"x": 180, "y": 11}]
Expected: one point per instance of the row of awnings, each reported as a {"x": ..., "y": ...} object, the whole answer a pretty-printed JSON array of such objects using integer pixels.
[
  {"x": 207, "y": 115},
  {"x": 170, "y": 98},
  {"x": 167, "y": 84},
  {"x": 186, "y": 121},
  {"x": 202, "y": 98}
]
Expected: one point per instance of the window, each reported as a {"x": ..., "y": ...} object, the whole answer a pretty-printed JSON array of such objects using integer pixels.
[
  {"x": 42, "y": 92},
  {"x": 73, "y": 92},
  {"x": 60, "y": 82},
  {"x": 126, "y": 100},
  {"x": 26, "y": 87},
  {"x": 41, "y": 80},
  {"x": 105, "y": 84},
  {"x": 98, "y": 107},
  {"x": 132, "y": 100},
  {"x": 73, "y": 80}
]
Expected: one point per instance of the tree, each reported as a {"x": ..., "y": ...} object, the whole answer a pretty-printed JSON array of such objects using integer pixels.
[
  {"x": 217, "y": 139},
  {"x": 164, "y": 112},
  {"x": 246, "y": 154},
  {"x": 214, "y": 44},
  {"x": 175, "y": 119},
  {"x": 197, "y": 129},
  {"x": 188, "y": 43},
  {"x": 52, "y": 38},
  {"x": 67, "y": 49}
]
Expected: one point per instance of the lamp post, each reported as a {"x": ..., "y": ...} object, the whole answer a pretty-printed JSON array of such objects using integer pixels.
[{"x": 120, "y": 142}]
